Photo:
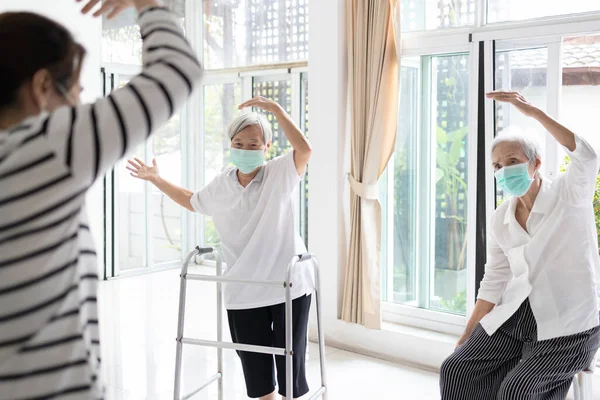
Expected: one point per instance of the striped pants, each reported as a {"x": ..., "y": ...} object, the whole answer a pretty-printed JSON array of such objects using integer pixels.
[{"x": 512, "y": 365}]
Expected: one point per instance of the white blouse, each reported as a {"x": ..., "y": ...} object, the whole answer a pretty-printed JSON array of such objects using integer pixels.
[{"x": 555, "y": 262}]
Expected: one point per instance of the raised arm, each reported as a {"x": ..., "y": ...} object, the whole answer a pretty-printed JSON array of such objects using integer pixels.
[
  {"x": 582, "y": 172},
  {"x": 299, "y": 142},
  {"x": 91, "y": 138}
]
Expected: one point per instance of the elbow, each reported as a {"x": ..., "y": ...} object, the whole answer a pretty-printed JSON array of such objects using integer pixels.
[{"x": 307, "y": 151}]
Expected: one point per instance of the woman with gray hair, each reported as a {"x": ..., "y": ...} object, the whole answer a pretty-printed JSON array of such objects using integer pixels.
[
  {"x": 535, "y": 322},
  {"x": 252, "y": 208}
]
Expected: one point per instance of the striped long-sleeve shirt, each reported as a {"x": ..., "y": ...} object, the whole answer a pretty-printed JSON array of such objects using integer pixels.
[{"x": 49, "y": 341}]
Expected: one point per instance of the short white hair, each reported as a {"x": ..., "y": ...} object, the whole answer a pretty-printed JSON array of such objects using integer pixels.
[
  {"x": 529, "y": 145},
  {"x": 250, "y": 119}
]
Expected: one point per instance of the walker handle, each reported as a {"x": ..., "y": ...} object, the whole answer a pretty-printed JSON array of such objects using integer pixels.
[
  {"x": 304, "y": 257},
  {"x": 204, "y": 250}
]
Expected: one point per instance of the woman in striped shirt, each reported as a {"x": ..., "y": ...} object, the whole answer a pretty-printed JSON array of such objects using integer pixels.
[{"x": 51, "y": 152}]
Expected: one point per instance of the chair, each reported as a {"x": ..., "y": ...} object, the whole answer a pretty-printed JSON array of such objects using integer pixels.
[{"x": 582, "y": 383}]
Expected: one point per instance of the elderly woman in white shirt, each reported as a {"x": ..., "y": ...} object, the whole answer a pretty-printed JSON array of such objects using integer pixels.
[
  {"x": 535, "y": 323},
  {"x": 252, "y": 208}
]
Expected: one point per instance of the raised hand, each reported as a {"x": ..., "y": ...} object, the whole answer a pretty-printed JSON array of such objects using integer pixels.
[
  {"x": 110, "y": 8},
  {"x": 262, "y": 103},
  {"x": 514, "y": 98},
  {"x": 142, "y": 171}
]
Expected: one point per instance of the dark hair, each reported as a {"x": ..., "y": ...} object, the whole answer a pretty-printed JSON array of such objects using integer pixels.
[{"x": 30, "y": 42}]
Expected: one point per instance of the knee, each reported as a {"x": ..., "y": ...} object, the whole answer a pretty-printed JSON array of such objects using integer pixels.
[
  {"x": 450, "y": 369},
  {"x": 514, "y": 386}
]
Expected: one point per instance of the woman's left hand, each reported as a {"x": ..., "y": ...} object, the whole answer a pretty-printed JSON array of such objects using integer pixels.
[
  {"x": 262, "y": 103},
  {"x": 516, "y": 99}
]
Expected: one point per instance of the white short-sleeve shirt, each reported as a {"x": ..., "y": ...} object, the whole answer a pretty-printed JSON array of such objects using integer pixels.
[
  {"x": 257, "y": 229},
  {"x": 554, "y": 263}
]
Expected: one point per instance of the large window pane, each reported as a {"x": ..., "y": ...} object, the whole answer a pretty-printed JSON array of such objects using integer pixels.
[
  {"x": 425, "y": 261},
  {"x": 121, "y": 39},
  {"x": 449, "y": 109},
  {"x": 220, "y": 108},
  {"x": 400, "y": 281},
  {"x": 166, "y": 214},
  {"x": 252, "y": 32},
  {"x": 516, "y": 10},
  {"x": 524, "y": 71},
  {"x": 420, "y": 15},
  {"x": 580, "y": 100}
]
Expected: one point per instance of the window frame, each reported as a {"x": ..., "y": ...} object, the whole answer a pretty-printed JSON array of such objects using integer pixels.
[
  {"x": 244, "y": 76},
  {"x": 406, "y": 314},
  {"x": 112, "y": 73},
  {"x": 479, "y": 41}
]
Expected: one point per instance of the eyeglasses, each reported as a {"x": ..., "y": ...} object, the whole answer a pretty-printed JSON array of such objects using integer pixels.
[{"x": 63, "y": 91}]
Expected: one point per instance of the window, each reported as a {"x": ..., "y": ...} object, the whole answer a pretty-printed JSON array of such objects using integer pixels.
[
  {"x": 144, "y": 228},
  {"x": 220, "y": 107},
  {"x": 438, "y": 191},
  {"x": 121, "y": 39},
  {"x": 254, "y": 32},
  {"x": 420, "y": 15},
  {"x": 514, "y": 10},
  {"x": 144, "y": 225},
  {"x": 524, "y": 70},
  {"x": 580, "y": 91},
  {"x": 252, "y": 48},
  {"x": 426, "y": 242}
]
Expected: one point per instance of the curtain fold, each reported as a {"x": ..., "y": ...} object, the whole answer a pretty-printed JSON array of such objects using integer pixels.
[{"x": 373, "y": 72}]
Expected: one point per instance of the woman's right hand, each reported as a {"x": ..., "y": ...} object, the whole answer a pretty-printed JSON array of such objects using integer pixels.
[
  {"x": 463, "y": 339},
  {"x": 142, "y": 171}
]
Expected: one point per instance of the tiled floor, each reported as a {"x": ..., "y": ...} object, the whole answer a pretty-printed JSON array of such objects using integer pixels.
[{"x": 138, "y": 324}]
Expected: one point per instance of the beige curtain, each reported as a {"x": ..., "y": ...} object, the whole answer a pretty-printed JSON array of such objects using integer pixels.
[{"x": 373, "y": 107}]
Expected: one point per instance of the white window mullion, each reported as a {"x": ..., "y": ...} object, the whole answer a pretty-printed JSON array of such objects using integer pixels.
[
  {"x": 554, "y": 90},
  {"x": 296, "y": 87},
  {"x": 192, "y": 150},
  {"x": 247, "y": 89},
  {"x": 389, "y": 226},
  {"x": 480, "y": 13},
  {"x": 472, "y": 162},
  {"x": 490, "y": 184},
  {"x": 425, "y": 194},
  {"x": 149, "y": 253}
]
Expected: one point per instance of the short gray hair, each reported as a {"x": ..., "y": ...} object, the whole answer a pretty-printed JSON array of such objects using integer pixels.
[
  {"x": 530, "y": 147},
  {"x": 250, "y": 119}
]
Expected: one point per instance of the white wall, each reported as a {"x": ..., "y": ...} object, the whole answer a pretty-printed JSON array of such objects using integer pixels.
[
  {"x": 329, "y": 198},
  {"x": 88, "y": 31}
]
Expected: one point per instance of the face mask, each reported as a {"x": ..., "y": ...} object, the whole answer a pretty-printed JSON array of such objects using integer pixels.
[
  {"x": 247, "y": 160},
  {"x": 514, "y": 179}
]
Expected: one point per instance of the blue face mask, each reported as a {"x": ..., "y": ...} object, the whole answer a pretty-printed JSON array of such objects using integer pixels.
[
  {"x": 247, "y": 160},
  {"x": 514, "y": 179}
]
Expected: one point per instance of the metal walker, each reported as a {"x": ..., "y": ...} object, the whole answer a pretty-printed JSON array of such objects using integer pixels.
[{"x": 220, "y": 344}]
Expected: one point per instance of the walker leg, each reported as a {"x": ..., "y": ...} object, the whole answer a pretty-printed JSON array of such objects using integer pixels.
[
  {"x": 219, "y": 327},
  {"x": 576, "y": 388},
  {"x": 179, "y": 351},
  {"x": 320, "y": 331},
  {"x": 289, "y": 352},
  {"x": 586, "y": 386}
]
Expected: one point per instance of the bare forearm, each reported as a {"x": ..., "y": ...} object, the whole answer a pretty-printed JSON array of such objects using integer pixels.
[
  {"x": 562, "y": 135},
  {"x": 178, "y": 194},
  {"x": 297, "y": 139},
  {"x": 482, "y": 308}
]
